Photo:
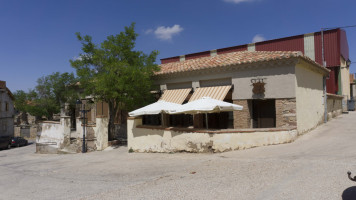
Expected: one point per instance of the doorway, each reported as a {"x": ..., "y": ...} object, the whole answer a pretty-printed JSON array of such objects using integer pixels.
[{"x": 264, "y": 113}]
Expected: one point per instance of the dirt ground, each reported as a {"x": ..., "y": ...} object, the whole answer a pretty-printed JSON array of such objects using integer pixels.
[{"x": 313, "y": 167}]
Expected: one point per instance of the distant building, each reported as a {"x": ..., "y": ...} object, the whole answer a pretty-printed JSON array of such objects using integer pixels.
[{"x": 6, "y": 111}]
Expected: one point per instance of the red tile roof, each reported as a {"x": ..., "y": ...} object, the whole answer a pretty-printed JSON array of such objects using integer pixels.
[{"x": 228, "y": 59}]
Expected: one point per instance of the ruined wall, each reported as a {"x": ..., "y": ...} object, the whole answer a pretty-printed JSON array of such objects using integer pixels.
[
  {"x": 96, "y": 135},
  {"x": 174, "y": 140},
  {"x": 26, "y": 131},
  {"x": 50, "y": 137}
]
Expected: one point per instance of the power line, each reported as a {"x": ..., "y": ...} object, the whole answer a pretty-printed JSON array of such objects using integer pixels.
[{"x": 338, "y": 27}]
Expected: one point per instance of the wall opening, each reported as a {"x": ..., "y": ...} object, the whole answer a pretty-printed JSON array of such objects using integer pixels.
[{"x": 264, "y": 113}]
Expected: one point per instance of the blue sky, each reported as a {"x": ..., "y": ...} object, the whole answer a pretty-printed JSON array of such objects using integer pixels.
[{"x": 37, "y": 37}]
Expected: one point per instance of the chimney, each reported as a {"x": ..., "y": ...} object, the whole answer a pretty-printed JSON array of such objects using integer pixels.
[{"x": 2, "y": 84}]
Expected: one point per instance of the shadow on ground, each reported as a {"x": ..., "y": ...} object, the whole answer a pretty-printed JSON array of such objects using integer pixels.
[{"x": 349, "y": 193}]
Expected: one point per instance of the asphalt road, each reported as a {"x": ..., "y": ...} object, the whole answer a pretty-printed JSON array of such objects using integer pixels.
[{"x": 313, "y": 167}]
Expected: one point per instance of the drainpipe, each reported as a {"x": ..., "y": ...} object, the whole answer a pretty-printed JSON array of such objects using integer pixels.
[
  {"x": 324, "y": 78},
  {"x": 325, "y": 101}
]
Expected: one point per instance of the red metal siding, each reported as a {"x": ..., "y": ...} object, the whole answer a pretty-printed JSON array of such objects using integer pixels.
[
  {"x": 197, "y": 55},
  {"x": 331, "y": 48},
  {"x": 295, "y": 43},
  {"x": 344, "y": 46},
  {"x": 232, "y": 49},
  {"x": 332, "y": 82},
  {"x": 169, "y": 60}
]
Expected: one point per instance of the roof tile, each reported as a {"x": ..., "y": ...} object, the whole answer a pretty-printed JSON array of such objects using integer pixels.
[{"x": 227, "y": 59}]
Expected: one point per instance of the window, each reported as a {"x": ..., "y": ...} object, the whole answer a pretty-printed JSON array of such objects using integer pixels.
[
  {"x": 6, "y": 106},
  {"x": 154, "y": 120},
  {"x": 181, "y": 120}
]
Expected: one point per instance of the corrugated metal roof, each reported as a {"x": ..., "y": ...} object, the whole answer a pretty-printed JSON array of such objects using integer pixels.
[
  {"x": 331, "y": 48},
  {"x": 218, "y": 93},
  {"x": 295, "y": 43},
  {"x": 175, "y": 96}
]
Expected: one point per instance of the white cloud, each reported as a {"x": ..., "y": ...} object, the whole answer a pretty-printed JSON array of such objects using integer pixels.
[
  {"x": 166, "y": 33},
  {"x": 258, "y": 38},
  {"x": 148, "y": 31},
  {"x": 77, "y": 58},
  {"x": 238, "y": 1}
]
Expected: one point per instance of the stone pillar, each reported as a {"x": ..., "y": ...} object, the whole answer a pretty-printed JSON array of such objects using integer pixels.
[
  {"x": 65, "y": 123},
  {"x": 242, "y": 118},
  {"x": 286, "y": 114},
  {"x": 101, "y": 133}
]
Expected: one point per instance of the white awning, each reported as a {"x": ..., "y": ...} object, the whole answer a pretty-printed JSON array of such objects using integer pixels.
[
  {"x": 205, "y": 105},
  {"x": 155, "y": 108}
]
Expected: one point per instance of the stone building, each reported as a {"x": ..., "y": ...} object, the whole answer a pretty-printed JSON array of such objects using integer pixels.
[
  {"x": 282, "y": 93},
  {"x": 6, "y": 111}
]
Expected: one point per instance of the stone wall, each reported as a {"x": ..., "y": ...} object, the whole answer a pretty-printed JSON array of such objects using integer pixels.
[
  {"x": 334, "y": 103},
  {"x": 24, "y": 118},
  {"x": 242, "y": 118},
  {"x": 26, "y": 131},
  {"x": 286, "y": 114},
  {"x": 57, "y": 137},
  {"x": 159, "y": 139},
  {"x": 51, "y": 136}
]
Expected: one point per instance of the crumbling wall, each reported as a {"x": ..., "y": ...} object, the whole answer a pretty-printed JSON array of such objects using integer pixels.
[{"x": 159, "y": 139}]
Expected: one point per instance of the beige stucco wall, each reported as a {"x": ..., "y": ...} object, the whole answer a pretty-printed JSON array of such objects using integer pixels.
[
  {"x": 101, "y": 133},
  {"x": 345, "y": 79},
  {"x": 309, "y": 98},
  {"x": 165, "y": 140},
  {"x": 280, "y": 82},
  {"x": 241, "y": 78}
]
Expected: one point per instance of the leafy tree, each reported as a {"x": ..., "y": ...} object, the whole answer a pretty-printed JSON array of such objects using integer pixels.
[
  {"x": 48, "y": 96},
  {"x": 21, "y": 100},
  {"x": 116, "y": 73},
  {"x": 58, "y": 88}
]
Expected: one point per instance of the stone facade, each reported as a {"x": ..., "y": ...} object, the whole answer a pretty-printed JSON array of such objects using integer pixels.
[
  {"x": 6, "y": 111},
  {"x": 286, "y": 112},
  {"x": 242, "y": 118}
]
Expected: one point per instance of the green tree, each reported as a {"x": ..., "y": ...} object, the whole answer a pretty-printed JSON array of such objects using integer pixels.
[
  {"x": 49, "y": 95},
  {"x": 116, "y": 73}
]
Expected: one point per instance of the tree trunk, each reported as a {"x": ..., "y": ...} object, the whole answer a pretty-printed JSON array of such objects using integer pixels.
[{"x": 112, "y": 114}]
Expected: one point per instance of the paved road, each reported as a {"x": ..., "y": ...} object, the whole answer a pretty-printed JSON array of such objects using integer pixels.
[{"x": 313, "y": 167}]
